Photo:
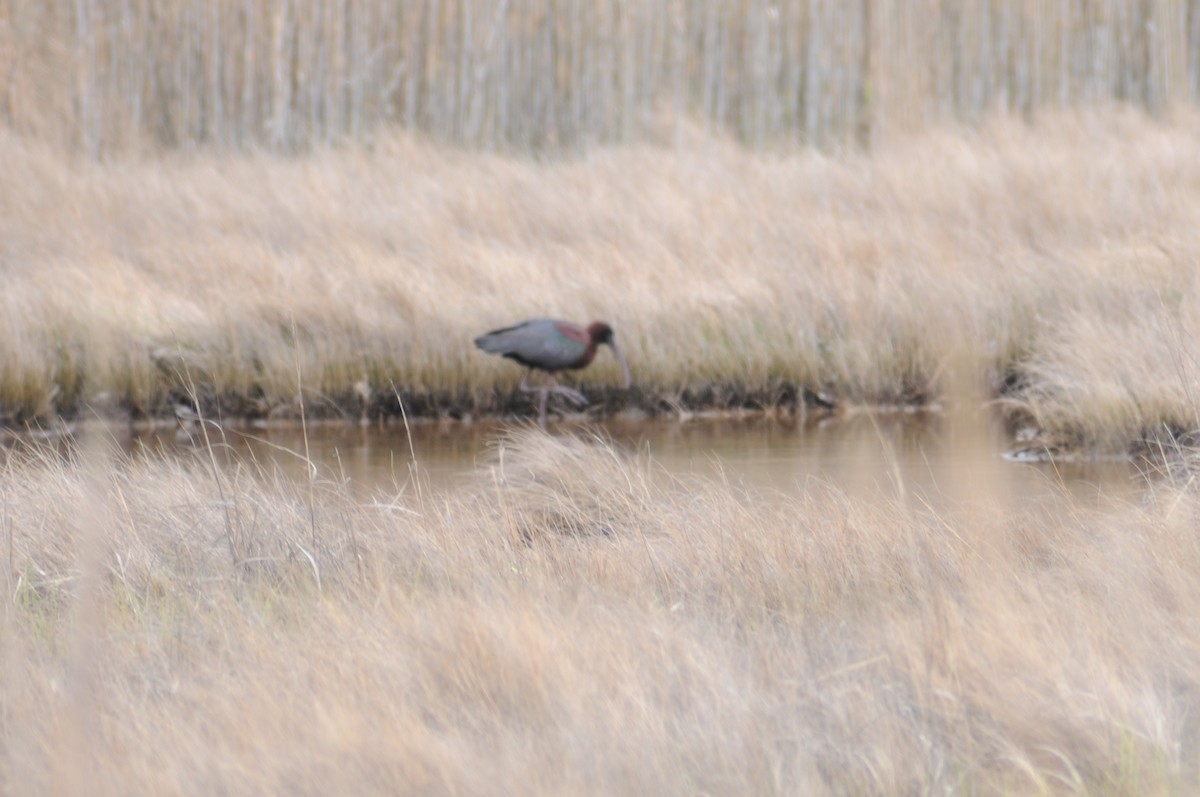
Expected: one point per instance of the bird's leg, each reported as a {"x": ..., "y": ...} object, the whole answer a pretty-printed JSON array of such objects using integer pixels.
[
  {"x": 550, "y": 386},
  {"x": 570, "y": 393},
  {"x": 524, "y": 386},
  {"x": 543, "y": 393}
]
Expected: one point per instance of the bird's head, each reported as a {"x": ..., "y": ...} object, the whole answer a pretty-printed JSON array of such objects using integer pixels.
[{"x": 600, "y": 332}]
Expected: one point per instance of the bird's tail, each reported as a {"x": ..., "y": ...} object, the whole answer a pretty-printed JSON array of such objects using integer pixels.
[
  {"x": 486, "y": 342},
  {"x": 492, "y": 342}
]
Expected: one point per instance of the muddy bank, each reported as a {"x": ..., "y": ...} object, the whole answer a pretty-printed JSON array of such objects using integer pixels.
[{"x": 394, "y": 404}]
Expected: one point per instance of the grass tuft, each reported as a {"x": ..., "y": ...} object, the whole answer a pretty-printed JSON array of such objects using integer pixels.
[{"x": 579, "y": 622}]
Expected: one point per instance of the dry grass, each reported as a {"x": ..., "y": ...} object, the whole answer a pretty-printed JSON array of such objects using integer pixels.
[
  {"x": 1057, "y": 259},
  {"x": 579, "y": 623},
  {"x": 121, "y": 75}
]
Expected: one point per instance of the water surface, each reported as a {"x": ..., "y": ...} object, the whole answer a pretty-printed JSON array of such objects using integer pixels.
[{"x": 909, "y": 455}]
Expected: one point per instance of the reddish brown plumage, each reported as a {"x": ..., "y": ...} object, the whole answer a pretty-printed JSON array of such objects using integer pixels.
[{"x": 596, "y": 333}]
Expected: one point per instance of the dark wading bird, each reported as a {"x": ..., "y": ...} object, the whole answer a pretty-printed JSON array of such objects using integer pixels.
[{"x": 550, "y": 345}]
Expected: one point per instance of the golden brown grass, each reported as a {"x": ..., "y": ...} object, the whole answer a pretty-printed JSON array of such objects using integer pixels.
[
  {"x": 580, "y": 623},
  {"x": 1057, "y": 259}
]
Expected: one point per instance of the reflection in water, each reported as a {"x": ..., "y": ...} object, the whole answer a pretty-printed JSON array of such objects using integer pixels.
[{"x": 900, "y": 454}]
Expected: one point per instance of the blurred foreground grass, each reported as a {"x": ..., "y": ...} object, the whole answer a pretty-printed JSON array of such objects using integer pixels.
[{"x": 578, "y": 622}]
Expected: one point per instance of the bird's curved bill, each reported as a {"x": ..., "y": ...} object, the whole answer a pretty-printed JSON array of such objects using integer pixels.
[{"x": 620, "y": 355}]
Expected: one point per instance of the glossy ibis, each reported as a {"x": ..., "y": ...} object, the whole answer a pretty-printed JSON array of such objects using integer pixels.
[{"x": 550, "y": 345}]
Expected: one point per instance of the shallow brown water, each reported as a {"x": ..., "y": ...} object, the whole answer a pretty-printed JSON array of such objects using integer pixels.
[{"x": 903, "y": 455}]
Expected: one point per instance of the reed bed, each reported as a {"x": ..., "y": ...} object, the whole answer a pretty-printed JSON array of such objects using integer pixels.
[
  {"x": 579, "y": 622},
  {"x": 121, "y": 75},
  {"x": 1050, "y": 263}
]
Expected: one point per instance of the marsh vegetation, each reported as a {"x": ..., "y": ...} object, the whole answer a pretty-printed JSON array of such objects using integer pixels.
[
  {"x": 1054, "y": 261},
  {"x": 123, "y": 75},
  {"x": 293, "y": 212},
  {"x": 575, "y": 622}
]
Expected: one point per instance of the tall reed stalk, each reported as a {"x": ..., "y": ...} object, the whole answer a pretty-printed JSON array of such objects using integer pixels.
[{"x": 112, "y": 76}]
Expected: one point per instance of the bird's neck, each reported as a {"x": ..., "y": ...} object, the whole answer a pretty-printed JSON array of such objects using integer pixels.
[{"x": 588, "y": 355}]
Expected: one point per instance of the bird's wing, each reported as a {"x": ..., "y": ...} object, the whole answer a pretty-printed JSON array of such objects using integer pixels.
[
  {"x": 548, "y": 344},
  {"x": 544, "y": 343}
]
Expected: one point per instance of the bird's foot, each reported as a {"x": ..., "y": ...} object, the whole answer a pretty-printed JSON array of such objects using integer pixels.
[{"x": 572, "y": 395}]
